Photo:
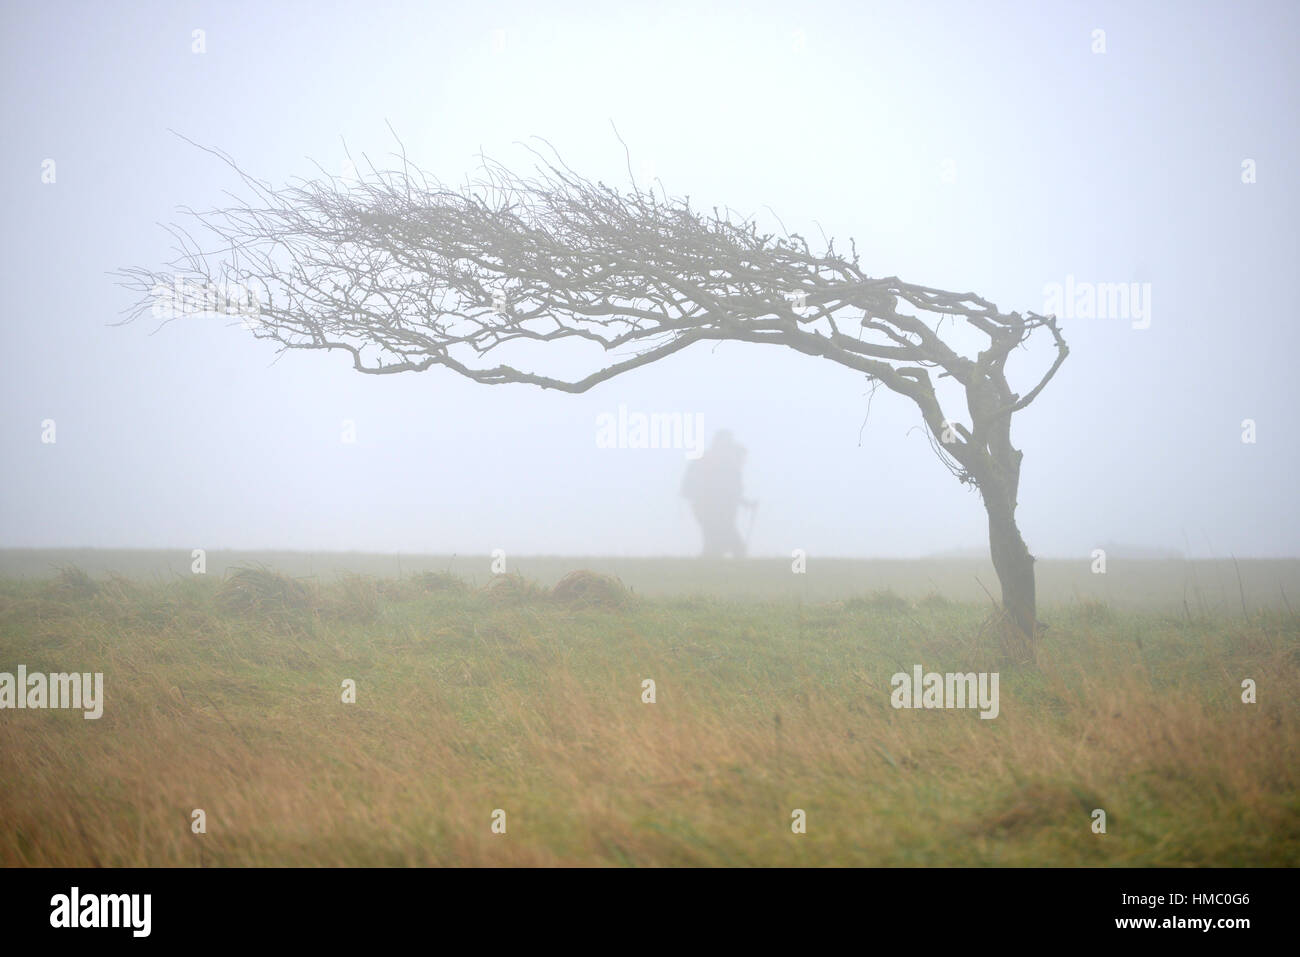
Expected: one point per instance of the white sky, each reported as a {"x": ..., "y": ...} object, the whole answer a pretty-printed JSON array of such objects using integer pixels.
[{"x": 1115, "y": 167}]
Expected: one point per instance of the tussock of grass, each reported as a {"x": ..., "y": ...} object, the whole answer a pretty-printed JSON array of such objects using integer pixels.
[
  {"x": 471, "y": 700},
  {"x": 256, "y": 590},
  {"x": 71, "y": 584},
  {"x": 590, "y": 589},
  {"x": 512, "y": 589}
]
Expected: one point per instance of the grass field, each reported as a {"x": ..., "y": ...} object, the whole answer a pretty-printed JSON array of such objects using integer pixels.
[{"x": 224, "y": 693}]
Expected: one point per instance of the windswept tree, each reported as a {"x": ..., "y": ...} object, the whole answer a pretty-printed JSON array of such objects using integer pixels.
[{"x": 552, "y": 280}]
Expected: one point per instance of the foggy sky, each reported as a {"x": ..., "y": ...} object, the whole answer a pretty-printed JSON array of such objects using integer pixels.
[{"x": 979, "y": 147}]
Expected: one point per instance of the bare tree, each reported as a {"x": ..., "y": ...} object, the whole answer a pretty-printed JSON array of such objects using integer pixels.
[{"x": 510, "y": 274}]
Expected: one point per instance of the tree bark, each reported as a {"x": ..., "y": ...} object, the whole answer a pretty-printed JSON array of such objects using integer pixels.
[
  {"x": 997, "y": 475},
  {"x": 1015, "y": 569}
]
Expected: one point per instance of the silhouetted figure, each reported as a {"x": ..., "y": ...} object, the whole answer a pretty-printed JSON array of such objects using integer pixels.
[{"x": 713, "y": 487}]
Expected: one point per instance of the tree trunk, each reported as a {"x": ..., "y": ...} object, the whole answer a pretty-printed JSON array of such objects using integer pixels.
[{"x": 1015, "y": 568}]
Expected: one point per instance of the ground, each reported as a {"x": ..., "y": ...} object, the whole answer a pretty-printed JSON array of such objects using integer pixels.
[{"x": 224, "y": 692}]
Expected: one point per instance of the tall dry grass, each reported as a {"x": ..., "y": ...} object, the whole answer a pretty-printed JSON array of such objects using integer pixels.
[{"x": 471, "y": 700}]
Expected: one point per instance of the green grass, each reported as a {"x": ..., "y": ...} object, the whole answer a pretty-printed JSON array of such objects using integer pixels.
[{"x": 223, "y": 693}]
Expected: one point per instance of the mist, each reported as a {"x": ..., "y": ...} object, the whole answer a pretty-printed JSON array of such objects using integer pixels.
[{"x": 961, "y": 150}]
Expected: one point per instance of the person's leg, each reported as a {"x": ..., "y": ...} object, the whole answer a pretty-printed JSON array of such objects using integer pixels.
[{"x": 713, "y": 544}]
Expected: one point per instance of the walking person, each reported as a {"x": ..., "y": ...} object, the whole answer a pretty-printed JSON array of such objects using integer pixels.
[{"x": 712, "y": 485}]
